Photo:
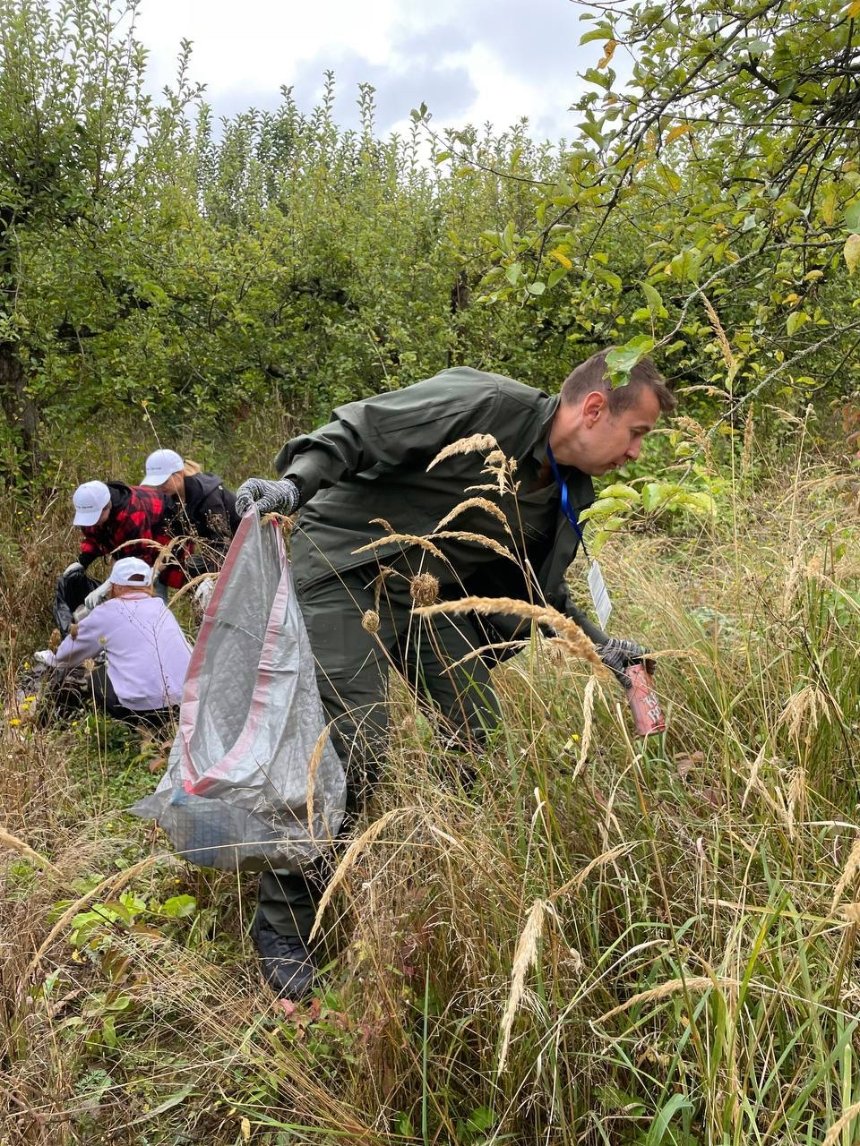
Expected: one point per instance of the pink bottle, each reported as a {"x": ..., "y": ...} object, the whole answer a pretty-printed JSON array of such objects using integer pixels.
[{"x": 647, "y": 714}]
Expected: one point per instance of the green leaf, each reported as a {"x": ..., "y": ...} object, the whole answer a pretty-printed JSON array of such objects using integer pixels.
[
  {"x": 610, "y": 278},
  {"x": 851, "y": 251},
  {"x": 656, "y": 495},
  {"x": 620, "y": 489},
  {"x": 601, "y": 32},
  {"x": 602, "y": 79},
  {"x": 605, "y": 506},
  {"x": 671, "y": 178},
  {"x": 654, "y": 300},
  {"x": 179, "y": 906},
  {"x": 795, "y": 321},
  {"x": 482, "y": 1118},
  {"x": 621, "y": 360},
  {"x": 592, "y": 130},
  {"x": 852, "y": 217},
  {"x": 686, "y": 264},
  {"x": 660, "y": 1125},
  {"x": 698, "y": 502},
  {"x": 537, "y": 287}
]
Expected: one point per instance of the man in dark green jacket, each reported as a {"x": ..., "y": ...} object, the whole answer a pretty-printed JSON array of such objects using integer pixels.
[{"x": 383, "y": 524}]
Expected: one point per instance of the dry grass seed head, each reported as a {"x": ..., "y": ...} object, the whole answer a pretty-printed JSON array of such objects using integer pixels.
[
  {"x": 473, "y": 503},
  {"x": 664, "y": 990},
  {"x": 834, "y": 1134},
  {"x": 370, "y": 621},
  {"x": 722, "y": 339},
  {"x": 403, "y": 539},
  {"x": 7, "y": 840},
  {"x": 849, "y": 873},
  {"x": 524, "y": 957},
  {"x": 600, "y": 861},
  {"x": 791, "y": 583},
  {"x": 503, "y": 469},
  {"x": 587, "y": 724},
  {"x": 351, "y": 855},
  {"x": 465, "y": 446},
  {"x": 567, "y": 631},
  {"x": 313, "y": 768},
  {"x": 424, "y": 588},
  {"x": 798, "y": 799},
  {"x": 478, "y": 539},
  {"x": 803, "y": 711},
  {"x": 698, "y": 434}
]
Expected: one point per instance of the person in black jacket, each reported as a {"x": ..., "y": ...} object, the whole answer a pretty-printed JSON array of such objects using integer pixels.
[{"x": 201, "y": 509}]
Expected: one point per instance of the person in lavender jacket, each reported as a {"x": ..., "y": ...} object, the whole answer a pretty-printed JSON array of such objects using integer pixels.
[{"x": 146, "y": 653}]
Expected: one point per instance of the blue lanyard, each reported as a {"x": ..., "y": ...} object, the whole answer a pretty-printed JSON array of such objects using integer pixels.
[{"x": 566, "y": 508}]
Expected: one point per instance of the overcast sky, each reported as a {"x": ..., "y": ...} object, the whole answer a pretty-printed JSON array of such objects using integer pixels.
[{"x": 470, "y": 61}]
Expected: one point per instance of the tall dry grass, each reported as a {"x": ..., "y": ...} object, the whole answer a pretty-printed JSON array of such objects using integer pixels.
[{"x": 604, "y": 941}]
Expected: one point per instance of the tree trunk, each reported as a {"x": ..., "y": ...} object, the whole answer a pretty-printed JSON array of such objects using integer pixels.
[{"x": 20, "y": 412}]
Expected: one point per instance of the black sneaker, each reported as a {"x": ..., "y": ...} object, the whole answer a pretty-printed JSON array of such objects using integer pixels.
[{"x": 285, "y": 960}]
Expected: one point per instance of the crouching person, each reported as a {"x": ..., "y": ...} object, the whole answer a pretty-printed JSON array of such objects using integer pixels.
[{"x": 139, "y": 678}]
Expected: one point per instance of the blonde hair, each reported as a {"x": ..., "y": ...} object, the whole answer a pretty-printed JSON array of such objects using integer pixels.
[{"x": 192, "y": 468}]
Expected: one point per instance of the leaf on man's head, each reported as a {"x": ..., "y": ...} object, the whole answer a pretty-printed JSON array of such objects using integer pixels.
[{"x": 622, "y": 359}]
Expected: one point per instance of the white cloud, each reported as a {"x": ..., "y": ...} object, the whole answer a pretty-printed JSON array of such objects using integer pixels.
[{"x": 482, "y": 60}]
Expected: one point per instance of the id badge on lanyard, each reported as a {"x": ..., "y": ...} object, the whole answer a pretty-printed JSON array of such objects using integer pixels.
[
  {"x": 596, "y": 583},
  {"x": 599, "y": 593}
]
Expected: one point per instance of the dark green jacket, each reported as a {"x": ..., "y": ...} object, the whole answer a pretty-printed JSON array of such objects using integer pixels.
[{"x": 371, "y": 462}]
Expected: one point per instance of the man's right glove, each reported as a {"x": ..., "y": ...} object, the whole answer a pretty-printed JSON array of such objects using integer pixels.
[
  {"x": 44, "y": 657},
  {"x": 267, "y": 496},
  {"x": 619, "y": 654},
  {"x": 71, "y": 570}
]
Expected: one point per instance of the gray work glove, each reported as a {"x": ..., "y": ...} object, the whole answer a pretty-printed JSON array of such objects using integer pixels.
[
  {"x": 71, "y": 570},
  {"x": 267, "y": 496},
  {"x": 96, "y": 597},
  {"x": 203, "y": 593},
  {"x": 44, "y": 657},
  {"x": 619, "y": 654}
]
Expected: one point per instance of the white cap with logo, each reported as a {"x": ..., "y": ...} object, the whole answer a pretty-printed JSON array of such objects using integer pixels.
[
  {"x": 131, "y": 571},
  {"x": 160, "y": 465},
  {"x": 89, "y": 500}
]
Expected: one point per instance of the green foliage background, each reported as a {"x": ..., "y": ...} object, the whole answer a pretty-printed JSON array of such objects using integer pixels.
[{"x": 152, "y": 259}]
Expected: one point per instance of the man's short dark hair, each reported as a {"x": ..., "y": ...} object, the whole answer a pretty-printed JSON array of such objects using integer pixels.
[{"x": 593, "y": 375}]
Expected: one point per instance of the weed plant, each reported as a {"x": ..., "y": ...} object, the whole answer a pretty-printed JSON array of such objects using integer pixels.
[{"x": 602, "y": 941}]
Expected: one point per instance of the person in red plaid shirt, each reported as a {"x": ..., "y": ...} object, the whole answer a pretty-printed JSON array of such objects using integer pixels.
[{"x": 123, "y": 521}]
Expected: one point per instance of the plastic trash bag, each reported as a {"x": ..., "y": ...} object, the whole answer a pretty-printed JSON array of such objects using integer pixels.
[
  {"x": 252, "y": 750},
  {"x": 69, "y": 595}
]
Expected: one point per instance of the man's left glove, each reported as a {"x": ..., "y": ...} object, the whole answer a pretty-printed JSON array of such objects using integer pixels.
[
  {"x": 44, "y": 657},
  {"x": 267, "y": 496},
  {"x": 619, "y": 654}
]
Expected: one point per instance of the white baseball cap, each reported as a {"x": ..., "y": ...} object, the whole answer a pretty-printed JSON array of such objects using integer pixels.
[
  {"x": 131, "y": 571},
  {"x": 89, "y": 500},
  {"x": 160, "y": 465}
]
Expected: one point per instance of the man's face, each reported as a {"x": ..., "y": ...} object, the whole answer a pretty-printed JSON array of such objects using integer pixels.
[
  {"x": 595, "y": 441},
  {"x": 103, "y": 516}
]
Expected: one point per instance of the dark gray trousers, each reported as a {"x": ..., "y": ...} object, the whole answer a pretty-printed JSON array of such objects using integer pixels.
[{"x": 353, "y": 665}]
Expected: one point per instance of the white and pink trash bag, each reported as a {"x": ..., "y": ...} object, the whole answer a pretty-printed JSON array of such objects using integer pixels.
[{"x": 252, "y": 781}]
